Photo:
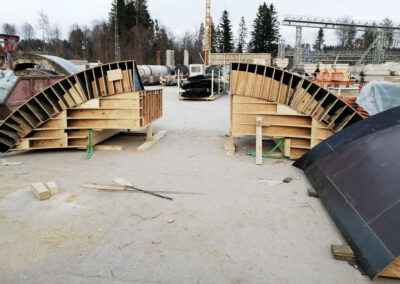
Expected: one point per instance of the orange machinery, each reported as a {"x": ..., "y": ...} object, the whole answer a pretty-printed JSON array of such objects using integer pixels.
[{"x": 333, "y": 78}]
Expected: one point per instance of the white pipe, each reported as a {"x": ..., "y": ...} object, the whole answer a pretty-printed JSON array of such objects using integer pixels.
[
  {"x": 179, "y": 80},
  {"x": 219, "y": 81}
]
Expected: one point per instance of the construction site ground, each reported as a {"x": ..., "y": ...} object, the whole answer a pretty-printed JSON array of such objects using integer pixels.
[{"x": 239, "y": 229}]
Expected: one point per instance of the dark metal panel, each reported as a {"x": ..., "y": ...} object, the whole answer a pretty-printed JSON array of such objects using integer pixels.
[
  {"x": 361, "y": 128},
  {"x": 359, "y": 186}
]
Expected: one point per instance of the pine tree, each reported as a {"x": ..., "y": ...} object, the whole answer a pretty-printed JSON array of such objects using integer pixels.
[
  {"x": 351, "y": 37},
  {"x": 265, "y": 34},
  {"x": 226, "y": 38},
  {"x": 200, "y": 40},
  {"x": 242, "y": 36},
  {"x": 388, "y": 34},
  {"x": 368, "y": 37},
  {"x": 142, "y": 14},
  {"x": 218, "y": 39},
  {"x": 319, "y": 42},
  {"x": 214, "y": 39},
  {"x": 126, "y": 15}
]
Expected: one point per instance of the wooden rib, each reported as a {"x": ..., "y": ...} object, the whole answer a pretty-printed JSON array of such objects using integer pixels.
[
  {"x": 51, "y": 102},
  {"x": 337, "y": 115},
  {"x": 327, "y": 110},
  {"x": 27, "y": 117},
  {"x": 95, "y": 94},
  {"x": 35, "y": 111},
  {"x": 300, "y": 97},
  {"x": 262, "y": 84},
  {"x": 81, "y": 90},
  {"x": 61, "y": 97},
  {"x": 42, "y": 105},
  {"x": 289, "y": 89},
  {"x": 280, "y": 86},
  {"x": 271, "y": 84},
  {"x": 310, "y": 100},
  {"x": 89, "y": 93},
  {"x": 344, "y": 122},
  {"x": 10, "y": 134},
  {"x": 299, "y": 90}
]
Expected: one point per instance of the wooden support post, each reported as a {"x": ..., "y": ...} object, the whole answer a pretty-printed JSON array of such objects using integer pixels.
[
  {"x": 230, "y": 147},
  {"x": 149, "y": 131},
  {"x": 259, "y": 141}
]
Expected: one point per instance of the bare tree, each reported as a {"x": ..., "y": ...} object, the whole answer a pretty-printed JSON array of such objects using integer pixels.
[
  {"x": 9, "y": 29},
  {"x": 28, "y": 32},
  {"x": 44, "y": 27}
]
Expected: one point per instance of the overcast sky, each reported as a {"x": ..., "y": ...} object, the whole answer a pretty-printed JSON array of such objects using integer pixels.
[{"x": 186, "y": 15}]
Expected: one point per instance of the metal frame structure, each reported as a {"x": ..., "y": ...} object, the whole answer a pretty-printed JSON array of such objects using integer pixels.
[
  {"x": 207, "y": 33},
  {"x": 328, "y": 23}
]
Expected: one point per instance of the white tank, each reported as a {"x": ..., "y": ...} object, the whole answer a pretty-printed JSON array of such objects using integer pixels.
[{"x": 150, "y": 71}]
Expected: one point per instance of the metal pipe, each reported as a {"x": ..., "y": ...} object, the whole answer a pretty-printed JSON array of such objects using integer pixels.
[{"x": 212, "y": 83}]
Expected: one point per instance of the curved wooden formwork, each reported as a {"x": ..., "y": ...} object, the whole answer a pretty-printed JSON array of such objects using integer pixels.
[
  {"x": 104, "y": 98},
  {"x": 291, "y": 106}
]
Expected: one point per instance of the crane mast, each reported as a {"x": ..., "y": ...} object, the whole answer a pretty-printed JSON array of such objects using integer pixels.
[{"x": 207, "y": 33}]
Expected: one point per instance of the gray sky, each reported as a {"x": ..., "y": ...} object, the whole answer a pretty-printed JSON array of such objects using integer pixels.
[{"x": 186, "y": 15}]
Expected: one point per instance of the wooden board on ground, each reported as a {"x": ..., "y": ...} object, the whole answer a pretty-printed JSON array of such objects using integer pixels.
[
  {"x": 108, "y": 148},
  {"x": 147, "y": 145}
]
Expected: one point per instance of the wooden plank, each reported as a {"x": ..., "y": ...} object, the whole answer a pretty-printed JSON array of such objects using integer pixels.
[
  {"x": 254, "y": 108},
  {"x": 311, "y": 192},
  {"x": 287, "y": 147},
  {"x": 104, "y": 186},
  {"x": 108, "y": 148},
  {"x": 52, "y": 187},
  {"x": 100, "y": 136},
  {"x": 40, "y": 191},
  {"x": 274, "y": 119},
  {"x": 147, "y": 145},
  {"x": 341, "y": 252},
  {"x": 114, "y": 75},
  {"x": 104, "y": 113},
  {"x": 118, "y": 103},
  {"x": 392, "y": 271},
  {"x": 126, "y": 82},
  {"x": 278, "y": 131},
  {"x": 259, "y": 159}
]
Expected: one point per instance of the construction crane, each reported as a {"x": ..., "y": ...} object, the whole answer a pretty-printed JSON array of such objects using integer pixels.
[{"x": 207, "y": 34}]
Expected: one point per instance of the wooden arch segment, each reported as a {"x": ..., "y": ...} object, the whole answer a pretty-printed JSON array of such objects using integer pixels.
[
  {"x": 71, "y": 92},
  {"x": 294, "y": 108}
]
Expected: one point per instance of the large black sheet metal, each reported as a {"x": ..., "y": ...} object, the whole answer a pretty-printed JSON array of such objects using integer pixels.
[
  {"x": 359, "y": 184},
  {"x": 377, "y": 122}
]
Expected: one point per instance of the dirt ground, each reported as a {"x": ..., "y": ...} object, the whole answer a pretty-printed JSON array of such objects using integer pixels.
[{"x": 237, "y": 230}]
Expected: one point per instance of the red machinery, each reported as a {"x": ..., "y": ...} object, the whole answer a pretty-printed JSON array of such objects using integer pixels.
[{"x": 8, "y": 43}]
